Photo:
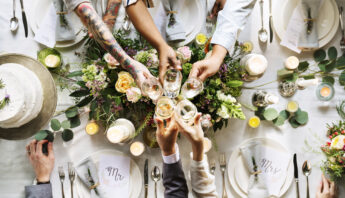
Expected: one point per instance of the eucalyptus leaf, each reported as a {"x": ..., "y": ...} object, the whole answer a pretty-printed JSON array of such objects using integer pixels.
[
  {"x": 67, "y": 135},
  {"x": 332, "y": 53},
  {"x": 81, "y": 84},
  {"x": 50, "y": 136},
  {"x": 330, "y": 66},
  {"x": 234, "y": 83},
  {"x": 319, "y": 55},
  {"x": 80, "y": 93},
  {"x": 75, "y": 121},
  {"x": 309, "y": 76},
  {"x": 72, "y": 112},
  {"x": 301, "y": 117},
  {"x": 74, "y": 74},
  {"x": 303, "y": 66},
  {"x": 322, "y": 65},
  {"x": 41, "y": 135},
  {"x": 55, "y": 124},
  {"x": 279, "y": 121},
  {"x": 292, "y": 78},
  {"x": 282, "y": 73},
  {"x": 260, "y": 113},
  {"x": 293, "y": 122},
  {"x": 342, "y": 78},
  {"x": 66, "y": 124},
  {"x": 284, "y": 114},
  {"x": 328, "y": 79},
  {"x": 85, "y": 101},
  {"x": 270, "y": 114},
  {"x": 341, "y": 62}
]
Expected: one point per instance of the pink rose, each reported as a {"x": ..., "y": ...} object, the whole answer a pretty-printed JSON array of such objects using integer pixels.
[
  {"x": 185, "y": 53},
  {"x": 206, "y": 121},
  {"x": 133, "y": 94}
]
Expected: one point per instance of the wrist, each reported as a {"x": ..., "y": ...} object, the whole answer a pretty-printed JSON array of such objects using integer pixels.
[
  {"x": 43, "y": 179},
  {"x": 198, "y": 151},
  {"x": 167, "y": 152},
  {"x": 162, "y": 46},
  {"x": 219, "y": 52}
]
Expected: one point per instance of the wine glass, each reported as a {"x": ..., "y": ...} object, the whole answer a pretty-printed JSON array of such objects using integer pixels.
[
  {"x": 186, "y": 111},
  {"x": 152, "y": 88},
  {"x": 192, "y": 87},
  {"x": 172, "y": 83},
  {"x": 164, "y": 108}
]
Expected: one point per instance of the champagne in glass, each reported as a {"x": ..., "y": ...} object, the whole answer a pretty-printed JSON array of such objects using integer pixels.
[
  {"x": 152, "y": 88},
  {"x": 172, "y": 83},
  {"x": 186, "y": 111},
  {"x": 192, "y": 87},
  {"x": 164, "y": 107}
]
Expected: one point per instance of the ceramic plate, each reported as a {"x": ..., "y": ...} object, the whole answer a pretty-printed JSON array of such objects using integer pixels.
[
  {"x": 327, "y": 22},
  {"x": 239, "y": 176},
  {"x": 49, "y": 98},
  {"x": 135, "y": 181}
]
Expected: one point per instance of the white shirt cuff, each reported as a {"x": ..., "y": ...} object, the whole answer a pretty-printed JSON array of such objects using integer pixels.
[
  {"x": 173, "y": 158},
  {"x": 128, "y": 2}
]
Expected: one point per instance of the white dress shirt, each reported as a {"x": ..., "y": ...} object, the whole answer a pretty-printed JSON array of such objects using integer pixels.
[{"x": 231, "y": 20}]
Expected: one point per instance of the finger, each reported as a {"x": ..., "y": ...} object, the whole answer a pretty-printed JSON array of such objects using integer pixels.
[
  {"x": 39, "y": 147},
  {"x": 325, "y": 184},
  {"x": 33, "y": 147},
  {"x": 175, "y": 63},
  {"x": 50, "y": 150},
  {"x": 203, "y": 76},
  {"x": 332, "y": 188},
  {"x": 28, "y": 149},
  {"x": 195, "y": 70},
  {"x": 168, "y": 121},
  {"x": 162, "y": 70},
  {"x": 319, "y": 187},
  {"x": 160, "y": 125},
  {"x": 197, "y": 119}
]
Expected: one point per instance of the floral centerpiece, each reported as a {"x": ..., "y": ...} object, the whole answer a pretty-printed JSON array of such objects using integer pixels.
[
  {"x": 112, "y": 93},
  {"x": 335, "y": 151}
]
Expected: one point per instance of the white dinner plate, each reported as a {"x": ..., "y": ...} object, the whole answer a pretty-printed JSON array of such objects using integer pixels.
[
  {"x": 135, "y": 181},
  {"x": 239, "y": 176},
  {"x": 327, "y": 22}
]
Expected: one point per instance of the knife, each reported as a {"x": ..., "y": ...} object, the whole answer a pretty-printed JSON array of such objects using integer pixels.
[
  {"x": 310, "y": 22},
  {"x": 296, "y": 173},
  {"x": 24, "y": 19},
  {"x": 270, "y": 22},
  {"x": 146, "y": 177}
]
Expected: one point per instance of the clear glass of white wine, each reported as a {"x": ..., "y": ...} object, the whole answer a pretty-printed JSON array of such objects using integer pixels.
[
  {"x": 185, "y": 110},
  {"x": 192, "y": 87},
  {"x": 152, "y": 88},
  {"x": 172, "y": 83},
  {"x": 164, "y": 108}
]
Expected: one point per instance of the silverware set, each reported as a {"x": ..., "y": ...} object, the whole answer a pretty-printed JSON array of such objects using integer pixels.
[
  {"x": 14, "y": 19},
  {"x": 71, "y": 177},
  {"x": 306, "y": 169},
  {"x": 155, "y": 176}
]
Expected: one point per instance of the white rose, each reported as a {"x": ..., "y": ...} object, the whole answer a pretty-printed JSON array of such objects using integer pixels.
[
  {"x": 226, "y": 98},
  {"x": 223, "y": 112},
  {"x": 133, "y": 94},
  {"x": 111, "y": 61},
  {"x": 338, "y": 142}
]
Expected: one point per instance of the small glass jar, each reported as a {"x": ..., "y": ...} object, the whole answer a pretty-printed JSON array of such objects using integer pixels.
[
  {"x": 287, "y": 89},
  {"x": 325, "y": 92}
]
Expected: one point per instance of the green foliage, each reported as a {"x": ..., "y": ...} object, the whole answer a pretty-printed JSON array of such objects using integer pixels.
[
  {"x": 75, "y": 74},
  {"x": 328, "y": 79},
  {"x": 67, "y": 135},
  {"x": 270, "y": 114},
  {"x": 80, "y": 93},
  {"x": 42, "y": 54},
  {"x": 319, "y": 55},
  {"x": 303, "y": 66},
  {"x": 55, "y": 124},
  {"x": 72, "y": 112},
  {"x": 332, "y": 53},
  {"x": 66, "y": 124}
]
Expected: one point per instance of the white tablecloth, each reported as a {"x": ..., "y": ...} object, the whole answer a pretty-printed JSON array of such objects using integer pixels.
[{"x": 16, "y": 172}]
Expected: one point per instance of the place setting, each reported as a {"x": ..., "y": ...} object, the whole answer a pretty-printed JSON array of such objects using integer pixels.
[{"x": 163, "y": 98}]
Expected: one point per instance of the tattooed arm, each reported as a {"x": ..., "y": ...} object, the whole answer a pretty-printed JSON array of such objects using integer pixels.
[
  {"x": 104, "y": 37},
  {"x": 143, "y": 22},
  {"x": 111, "y": 13}
]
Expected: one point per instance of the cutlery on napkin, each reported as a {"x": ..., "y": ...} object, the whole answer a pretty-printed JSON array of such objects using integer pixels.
[
  {"x": 64, "y": 31},
  {"x": 174, "y": 27},
  {"x": 25, "y": 23}
]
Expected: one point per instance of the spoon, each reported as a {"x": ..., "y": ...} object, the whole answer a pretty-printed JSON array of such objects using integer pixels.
[
  {"x": 156, "y": 176},
  {"x": 263, "y": 35},
  {"x": 14, "y": 19},
  {"x": 306, "y": 168}
]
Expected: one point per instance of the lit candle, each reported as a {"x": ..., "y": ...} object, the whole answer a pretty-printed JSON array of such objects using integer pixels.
[
  {"x": 92, "y": 128},
  {"x": 137, "y": 148},
  {"x": 255, "y": 64},
  {"x": 325, "y": 91},
  {"x": 121, "y": 131},
  {"x": 292, "y": 106},
  {"x": 291, "y": 62},
  {"x": 254, "y": 122},
  {"x": 207, "y": 145}
]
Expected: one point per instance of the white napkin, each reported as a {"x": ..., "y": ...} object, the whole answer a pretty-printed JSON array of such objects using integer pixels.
[
  {"x": 295, "y": 37},
  {"x": 273, "y": 165},
  {"x": 174, "y": 27},
  {"x": 64, "y": 31},
  {"x": 311, "y": 40},
  {"x": 46, "y": 32},
  {"x": 257, "y": 185}
]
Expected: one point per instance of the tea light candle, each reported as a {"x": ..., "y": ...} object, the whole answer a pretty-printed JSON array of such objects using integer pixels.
[
  {"x": 137, "y": 148},
  {"x": 207, "y": 145},
  {"x": 92, "y": 128},
  {"x": 291, "y": 62},
  {"x": 255, "y": 64},
  {"x": 325, "y": 91},
  {"x": 121, "y": 131},
  {"x": 254, "y": 122},
  {"x": 292, "y": 106}
]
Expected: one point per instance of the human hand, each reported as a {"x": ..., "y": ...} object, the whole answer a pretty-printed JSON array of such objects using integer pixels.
[
  {"x": 140, "y": 71},
  {"x": 167, "y": 57},
  {"x": 326, "y": 188},
  {"x": 42, "y": 164},
  {"x": 218, "y": 6},
  {"x": 195, "y": 135},
  {"x": 166, "y": 136}
]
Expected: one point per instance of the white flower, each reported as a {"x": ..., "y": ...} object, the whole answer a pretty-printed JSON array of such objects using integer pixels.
[
  {"x": 111, "y": 61},
  {"x": 133, "y": 94},
  {"x": 225, "y": 98},
  {"x": 338, "y": 142},
  {"x": 223, "y": 112},
  {"x": 206, "y": 120}
]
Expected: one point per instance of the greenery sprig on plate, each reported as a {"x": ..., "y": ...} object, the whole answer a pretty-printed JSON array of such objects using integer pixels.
[
  {"x": 299, "y": 118},
  {"x": 6, "y": 99}
]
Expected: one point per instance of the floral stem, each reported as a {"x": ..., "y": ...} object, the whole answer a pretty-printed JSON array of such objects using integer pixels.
[
  {"x": 70, "y": 79},
  {"x": 261, "y": 85}
]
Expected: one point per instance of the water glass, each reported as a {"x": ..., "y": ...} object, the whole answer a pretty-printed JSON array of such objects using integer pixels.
[
  {"x": 192, "y": 87},
  {"x": 164, "y": 107},
  {"x": 172, "y": 83},
  {"x": 152, "y": 88},
  {"x": 186, "y": 111}
]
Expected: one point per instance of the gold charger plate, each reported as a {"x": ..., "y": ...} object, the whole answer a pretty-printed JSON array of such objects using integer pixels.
[{"x": 49, "y": 98}]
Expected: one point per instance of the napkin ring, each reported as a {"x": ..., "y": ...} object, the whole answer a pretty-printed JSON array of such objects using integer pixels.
[
  {"x": 61, "y": 13},
  {"x": 309, "y": 19},
  {"x": 172, "y": 12},
  {"x": 256, "y": 172},
  {"x": 94, "y": 186}
]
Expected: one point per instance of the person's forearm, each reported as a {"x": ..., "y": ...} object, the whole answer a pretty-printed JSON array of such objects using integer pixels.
[
  {"x": 143, "y": 22},
  {"x": 110, "y": 15},
  {"x": 103, "y": 36},
  {"x": 219, "y": 51},
  {"x": 198, "y": 152}
]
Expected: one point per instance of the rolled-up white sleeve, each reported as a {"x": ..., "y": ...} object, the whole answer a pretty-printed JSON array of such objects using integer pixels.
[
  {"x": 73, "y": 4},
  {"x": 231, "y": 20},
  {"x": 173, "y": 158},
  {"x": 203, "y": 182},
  {"x": 128, "y": 2}
]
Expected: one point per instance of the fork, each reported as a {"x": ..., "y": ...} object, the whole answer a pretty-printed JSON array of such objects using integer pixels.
[
  {"x": 212, "y": 167},
  {"x": 71, "y": 174},
  {"x": 222, "y": 164},
  {"x": 342, "y": 41},
  {"x": 62, "y": 179}
]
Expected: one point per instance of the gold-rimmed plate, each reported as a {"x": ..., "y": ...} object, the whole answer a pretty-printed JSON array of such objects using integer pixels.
[{"x": 49, "y": 97}]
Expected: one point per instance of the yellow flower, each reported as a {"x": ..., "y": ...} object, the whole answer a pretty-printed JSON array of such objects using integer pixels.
[
  {"x": 124, "y": 82},
  {"x": 247, "y": 47},
  {"x": 201, "y": 39}
]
